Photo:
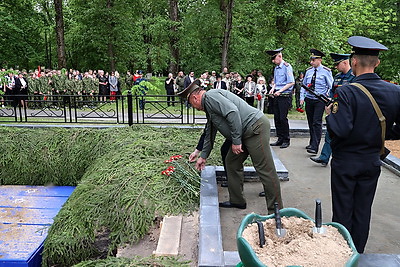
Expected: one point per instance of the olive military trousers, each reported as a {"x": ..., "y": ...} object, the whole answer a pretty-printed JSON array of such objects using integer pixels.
[{"x": 255, "y": 142}]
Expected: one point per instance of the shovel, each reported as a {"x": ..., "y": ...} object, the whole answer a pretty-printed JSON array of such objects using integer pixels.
[
  {"x": 318, "y": 218},
  {"x": 261, "y": 233},
  {"x": 280, "y": 232}
]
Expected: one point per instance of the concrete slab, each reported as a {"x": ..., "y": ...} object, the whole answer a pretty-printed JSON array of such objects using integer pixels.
[
  {"x": 231, "y": 258},
  {"x": 210, "y": 237},
  {"x": 210, "y": 246},
  {"x": 169, "y": 240}
]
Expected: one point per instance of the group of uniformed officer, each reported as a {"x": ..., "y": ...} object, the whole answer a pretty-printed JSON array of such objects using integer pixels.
[
  {"x": 60, "y": 84},
  {"x": 365, "y": 110}
]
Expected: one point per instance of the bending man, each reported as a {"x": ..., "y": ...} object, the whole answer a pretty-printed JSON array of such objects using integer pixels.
[{"x": 243, "y": 125}]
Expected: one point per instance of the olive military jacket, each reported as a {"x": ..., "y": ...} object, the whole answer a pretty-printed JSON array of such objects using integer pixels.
[{"x": 228, "y": 114}]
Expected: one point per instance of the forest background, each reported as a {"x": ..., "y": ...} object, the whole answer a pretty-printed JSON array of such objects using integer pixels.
[{"x": 161, "y": 36}]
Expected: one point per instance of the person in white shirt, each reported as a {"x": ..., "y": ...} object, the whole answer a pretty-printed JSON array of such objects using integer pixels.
[{"x": 261, "y": 90}]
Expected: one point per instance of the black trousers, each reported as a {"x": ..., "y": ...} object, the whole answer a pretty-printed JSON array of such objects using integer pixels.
[
  {"x": 297, "y": 97},
  {"x": 353, "y": 185},
  {"x": 170, "y": 97},
  {"x": 281, "y": 109},
  {"x": 314, "y": 110},
  {"x": 250, "y": 100}
]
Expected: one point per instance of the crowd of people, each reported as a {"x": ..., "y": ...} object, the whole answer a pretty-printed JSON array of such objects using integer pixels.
[
  {"x": 254, "y": 88},
  {"x": 103, "y": 86},
  {"x": 17, "y": 85}
]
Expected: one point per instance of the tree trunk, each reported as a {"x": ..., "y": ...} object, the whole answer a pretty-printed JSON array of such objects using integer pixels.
[
  {"x": 46, "y": 49},
  {"x": 111, "y": 38},
  {"x": 280, "y": 22},
  {"x": 62, "y": 60},
  {"x": 228, "y": 8},
  {"x": 174, "y": 16},
  {"x": 147, "y": 44}
]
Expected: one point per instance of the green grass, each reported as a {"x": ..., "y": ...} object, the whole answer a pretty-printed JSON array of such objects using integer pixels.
[{"x": 135, "y": 262}]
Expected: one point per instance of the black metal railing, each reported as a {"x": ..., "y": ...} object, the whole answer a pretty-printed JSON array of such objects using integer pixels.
[{"x": 124, "y": 109}]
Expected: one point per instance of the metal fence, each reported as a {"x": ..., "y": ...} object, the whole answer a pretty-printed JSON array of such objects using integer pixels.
[{"x": 125, "y": 109}]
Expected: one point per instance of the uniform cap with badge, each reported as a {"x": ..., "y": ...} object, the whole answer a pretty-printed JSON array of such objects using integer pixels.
[
  {"x": 195, "y": 85},
  {"x": 274, "y": 53},
  {"x": 316, "y": 53},
  {"x": 361, "y": 46},
  {"x": 337, "y": 58},
  {"x": 365, "y": 46}
]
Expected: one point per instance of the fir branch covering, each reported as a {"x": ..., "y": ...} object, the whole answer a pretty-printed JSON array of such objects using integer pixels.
[{"x": 120, "y": 188}]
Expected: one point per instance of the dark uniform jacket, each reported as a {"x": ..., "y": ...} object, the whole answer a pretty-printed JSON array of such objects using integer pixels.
[
  {"x": 341, "y": 79},
  {"x": 353, "y": 123}
]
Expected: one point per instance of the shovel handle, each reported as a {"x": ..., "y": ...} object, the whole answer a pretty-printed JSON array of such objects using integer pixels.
[
  {"x": 277, "y": 216},
  {"x": 318, "y": 213},
  {"x": 261, "y": 234}
]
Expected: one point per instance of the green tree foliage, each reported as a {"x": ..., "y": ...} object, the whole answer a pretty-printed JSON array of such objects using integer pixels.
[
  {"x": 139, "y": 32},
  {"x": 20, "y": 34}
]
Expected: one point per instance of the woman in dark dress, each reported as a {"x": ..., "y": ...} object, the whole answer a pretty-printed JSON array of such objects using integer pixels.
[
  {"x": 238, "y": 87},
  {"x": 21, "y": 90}
]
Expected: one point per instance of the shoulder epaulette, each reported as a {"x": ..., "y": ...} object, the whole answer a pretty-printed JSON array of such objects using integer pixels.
[
  {"x": 286, "y": 64},
  {"x": 326, "y": 68},
  {"x": 309, "y": 68}
]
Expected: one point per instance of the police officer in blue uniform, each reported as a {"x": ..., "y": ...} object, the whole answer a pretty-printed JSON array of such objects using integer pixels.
[
  {"x": 282, "y": 91},
  {"x": 345, "y": 76},
  {"x": 356, "y": 143},
  {"x": 320, "y": 79}
]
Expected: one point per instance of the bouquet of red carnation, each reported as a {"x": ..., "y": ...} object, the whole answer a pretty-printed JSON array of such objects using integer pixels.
[{"x": 184, "y": 173}]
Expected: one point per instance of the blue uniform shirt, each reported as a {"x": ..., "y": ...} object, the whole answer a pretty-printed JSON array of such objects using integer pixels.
[
  {"x": 283, "y": 74},
  {"x": 323, "y": 82}
]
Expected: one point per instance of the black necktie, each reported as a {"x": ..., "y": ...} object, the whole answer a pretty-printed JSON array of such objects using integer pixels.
[{"x": 313, "y": 79}]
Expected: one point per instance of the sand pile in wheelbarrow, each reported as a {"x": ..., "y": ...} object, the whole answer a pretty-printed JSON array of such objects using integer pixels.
[{"x": 300, "y": 246}]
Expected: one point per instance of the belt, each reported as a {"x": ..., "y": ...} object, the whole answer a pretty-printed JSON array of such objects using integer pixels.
[{"x": 285, "y": 94}]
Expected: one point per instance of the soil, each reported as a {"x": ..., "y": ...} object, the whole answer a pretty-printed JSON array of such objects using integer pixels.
[{"x": 299, "y": 246}]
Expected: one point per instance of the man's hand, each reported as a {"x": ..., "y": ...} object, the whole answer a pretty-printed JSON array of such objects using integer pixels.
[
  {"x": 237, "y": 149},
  {"x": 301, "y": 102},
  {"x": 328, "y": 109},
  {"x": 277, "y": 93},
  {"x": 271, "y": 92},
  {"x": 200, "y": 163},
  {"x": 194, "y": 155}
]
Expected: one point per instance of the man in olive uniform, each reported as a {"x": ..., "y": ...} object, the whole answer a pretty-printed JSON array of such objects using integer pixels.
[
  {"x": 180, "y": 81},
  {"x": 356, "y": 135},
  {"x": 248, "y": 129},
  {"x": 345, "y": 76}
]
